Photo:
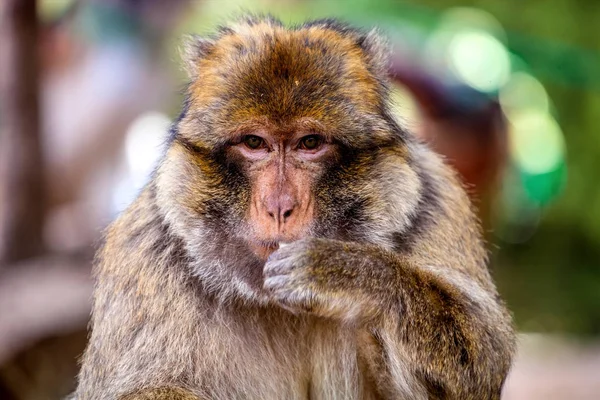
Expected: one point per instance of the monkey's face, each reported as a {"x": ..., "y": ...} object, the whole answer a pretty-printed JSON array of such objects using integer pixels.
[
  {"x": 282, "y": 168},
  {"x": 280, "y": 136}
]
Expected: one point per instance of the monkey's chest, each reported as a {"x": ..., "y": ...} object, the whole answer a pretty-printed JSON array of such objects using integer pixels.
[{"x": 315, "y": 361}]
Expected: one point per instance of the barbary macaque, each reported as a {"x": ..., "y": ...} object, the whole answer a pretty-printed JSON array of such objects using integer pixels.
[{"x": 295, "y": 241}]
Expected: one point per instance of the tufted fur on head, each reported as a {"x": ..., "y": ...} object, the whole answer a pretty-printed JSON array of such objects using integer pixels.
[
  {"x": 257, "y": 68},
  {"x": 242, "y": 35}
]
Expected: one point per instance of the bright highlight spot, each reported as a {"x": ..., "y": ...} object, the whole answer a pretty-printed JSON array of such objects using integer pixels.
[
  {"x": 479, "y": 60},
  {"x": 143, "y": 148},
  {"x": 523, "y": 92},
  {"x": 537, "y": 143},
  {"x": 460, "y": 18},
  {"x": 143, "y": 145}
]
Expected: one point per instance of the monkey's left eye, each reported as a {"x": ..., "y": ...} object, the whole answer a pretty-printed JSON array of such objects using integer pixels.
[
  {"x": 254, "y": 142},
  {"x": 311, "y": 142}
]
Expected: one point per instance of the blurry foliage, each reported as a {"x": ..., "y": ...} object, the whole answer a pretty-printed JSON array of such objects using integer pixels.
[{"x": 552, "y": 281}]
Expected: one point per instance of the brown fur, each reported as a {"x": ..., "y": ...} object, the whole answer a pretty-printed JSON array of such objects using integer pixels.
[{"x": 385, "y": 292}]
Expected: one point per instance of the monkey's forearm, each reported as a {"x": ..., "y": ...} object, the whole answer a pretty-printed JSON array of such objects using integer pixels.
[
  {"x": 453, "y": 331},
  {"x": 444, "y": 324}
]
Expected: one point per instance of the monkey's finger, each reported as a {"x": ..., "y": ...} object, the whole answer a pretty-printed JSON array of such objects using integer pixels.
[
  {"x": 273, "y": 268},
  {"x": 276, "y": 282},
  {"x": 283, "y": 252},
  {"x": 297, "y": 301}
]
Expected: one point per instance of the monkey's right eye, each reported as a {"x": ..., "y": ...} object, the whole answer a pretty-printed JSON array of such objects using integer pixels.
[{"x": 254, "y": 142}]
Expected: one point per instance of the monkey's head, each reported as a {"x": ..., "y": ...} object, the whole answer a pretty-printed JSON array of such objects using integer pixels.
[{"x": 286, "y": 133}]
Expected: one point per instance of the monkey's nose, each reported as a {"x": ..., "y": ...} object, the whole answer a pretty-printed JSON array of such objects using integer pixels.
[{"x": 280, "y": 208}]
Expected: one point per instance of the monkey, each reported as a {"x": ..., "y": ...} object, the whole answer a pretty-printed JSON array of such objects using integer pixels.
[{"x": 295, "y": 241}]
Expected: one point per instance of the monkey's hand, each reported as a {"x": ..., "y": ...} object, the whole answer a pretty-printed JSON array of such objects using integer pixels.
[{"x": 331, "y": 278}]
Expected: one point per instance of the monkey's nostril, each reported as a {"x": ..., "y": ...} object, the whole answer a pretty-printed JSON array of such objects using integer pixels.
[{"x": 279, "y": 208}]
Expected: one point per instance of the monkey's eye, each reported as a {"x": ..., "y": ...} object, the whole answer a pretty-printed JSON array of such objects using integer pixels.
[
  {"x": 254, "y": 142},
  {"x": 310, "y": 142}
]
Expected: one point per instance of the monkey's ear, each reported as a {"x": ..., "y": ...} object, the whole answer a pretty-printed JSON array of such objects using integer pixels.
[
  {"x": 377, "y": 50},
  {"x": 194, "y": 48}
]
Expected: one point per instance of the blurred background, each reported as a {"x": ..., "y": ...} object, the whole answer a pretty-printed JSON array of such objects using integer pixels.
[{"x": 507, "y": 91}]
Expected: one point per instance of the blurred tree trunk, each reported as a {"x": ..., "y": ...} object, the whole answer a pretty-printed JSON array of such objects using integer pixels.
[{"x": 21, "y": 184}]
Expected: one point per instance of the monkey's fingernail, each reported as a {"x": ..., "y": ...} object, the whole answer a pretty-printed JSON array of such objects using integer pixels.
[{"x": 283, "y": 244}]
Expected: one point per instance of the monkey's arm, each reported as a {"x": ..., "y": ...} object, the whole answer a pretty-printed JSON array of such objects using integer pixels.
[{"x": 428, "y": 329}]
